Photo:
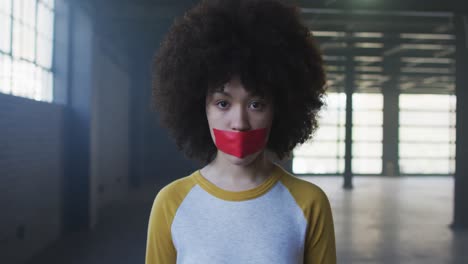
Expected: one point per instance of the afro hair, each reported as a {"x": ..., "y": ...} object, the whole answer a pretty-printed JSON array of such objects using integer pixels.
[{"x": 265, "y": 44}]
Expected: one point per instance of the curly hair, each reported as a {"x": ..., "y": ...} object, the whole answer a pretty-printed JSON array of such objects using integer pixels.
[{"x": 265, "y": 44}]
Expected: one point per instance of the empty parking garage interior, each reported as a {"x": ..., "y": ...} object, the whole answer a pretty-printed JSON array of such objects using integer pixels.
[{"x": 83, "y": 155}]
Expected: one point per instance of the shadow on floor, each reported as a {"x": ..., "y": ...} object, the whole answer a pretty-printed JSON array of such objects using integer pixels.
[{"x": 119, "y": 238}]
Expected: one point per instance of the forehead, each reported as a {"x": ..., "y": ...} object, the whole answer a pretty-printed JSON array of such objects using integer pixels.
[
  {"x": 237, "y": 89},
  {"x": 236, "y": 92}
]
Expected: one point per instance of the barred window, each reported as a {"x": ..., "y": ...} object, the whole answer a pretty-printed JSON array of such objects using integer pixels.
[
  {"x": 26, "y": 48},
  {"x": 324, "y": 153},
  {"x": 427, "y": 133}
]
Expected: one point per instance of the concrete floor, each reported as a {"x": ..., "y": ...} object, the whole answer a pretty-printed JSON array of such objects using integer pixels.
[
  {"x": 390, "y": 220},
  {"x": 382, "y": 220}
]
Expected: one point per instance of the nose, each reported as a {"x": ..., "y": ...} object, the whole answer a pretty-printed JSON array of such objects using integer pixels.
[{"x": 240, "y": 119}]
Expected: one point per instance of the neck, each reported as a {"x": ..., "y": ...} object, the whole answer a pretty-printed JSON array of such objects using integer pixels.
[{"x": 231, "y": 176}]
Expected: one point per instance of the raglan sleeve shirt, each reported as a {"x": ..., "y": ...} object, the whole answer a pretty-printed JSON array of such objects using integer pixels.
[
  {"x": 320, "y": 238},
  {"x": 160, "y": 248},
  {"x": 302, "y": 232}
]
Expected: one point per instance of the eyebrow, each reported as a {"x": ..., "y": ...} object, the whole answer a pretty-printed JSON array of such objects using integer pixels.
[
  {"x": 224, "y": 93},
  {"x": 229, "y": 95}
]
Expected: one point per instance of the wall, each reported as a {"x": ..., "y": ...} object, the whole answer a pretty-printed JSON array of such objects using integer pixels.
[
  {"x": 31, "y": 169},
  {"x": 110, "y": 126},
  {"x": 91, "y": 92}
]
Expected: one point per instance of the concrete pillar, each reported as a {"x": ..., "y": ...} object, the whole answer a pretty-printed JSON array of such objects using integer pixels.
[
  {"x": 460, "y": 217},
  {"x": 390, "y": 90},
  {"x": 349, "y": 90},
  {"x": 77, "y": 210}
]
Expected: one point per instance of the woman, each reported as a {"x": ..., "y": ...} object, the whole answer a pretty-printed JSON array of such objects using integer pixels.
[{"x": 239, "y": 84}]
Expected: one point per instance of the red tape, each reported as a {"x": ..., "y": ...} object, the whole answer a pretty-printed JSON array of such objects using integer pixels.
[{"x": 240, "y": 143}]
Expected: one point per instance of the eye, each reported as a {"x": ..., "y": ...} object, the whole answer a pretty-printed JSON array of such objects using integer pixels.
[
  {"x": 256, "y": 105},
  {"x": 222, "y": 104}
]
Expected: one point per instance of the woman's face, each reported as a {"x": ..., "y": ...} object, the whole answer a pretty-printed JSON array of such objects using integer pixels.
[{"x": 234, "y": 109}]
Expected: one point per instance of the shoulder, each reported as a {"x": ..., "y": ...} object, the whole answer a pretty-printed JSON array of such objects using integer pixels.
[
  {"x": 172, "y": 195},
  {"x": 304, "y": 192}
]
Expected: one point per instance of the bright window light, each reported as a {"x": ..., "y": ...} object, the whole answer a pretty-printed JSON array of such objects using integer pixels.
[
  {"x": 324, "y": 153},
  {"x": 26, "y": 48},
  {"x": 427, "y": 133}
]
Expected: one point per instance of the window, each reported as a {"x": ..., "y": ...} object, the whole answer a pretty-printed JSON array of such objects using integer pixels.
[
  {"x": 367, "y": 133},
  {"x": 427, "y": 134},
  {"x": 26, "y": 45},
  {"x": 324, "y": 153}
]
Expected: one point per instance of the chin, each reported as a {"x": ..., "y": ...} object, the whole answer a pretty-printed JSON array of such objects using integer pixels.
[{"x": 243, "y": 161}]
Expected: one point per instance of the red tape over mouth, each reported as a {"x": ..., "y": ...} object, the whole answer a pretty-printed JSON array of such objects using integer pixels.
[{"x": 240, "y": 143}]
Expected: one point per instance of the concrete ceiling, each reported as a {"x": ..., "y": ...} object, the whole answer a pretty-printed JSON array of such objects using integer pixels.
[
  {"x": 425, "y": 62},
  {"x": 389, "y": 5}
]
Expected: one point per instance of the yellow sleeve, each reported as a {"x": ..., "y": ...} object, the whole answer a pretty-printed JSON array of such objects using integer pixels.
[
  {"x": 159, "y": 247},
  {"x": 319, "y": 247},
  {"x": 320, "y": 239}
]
